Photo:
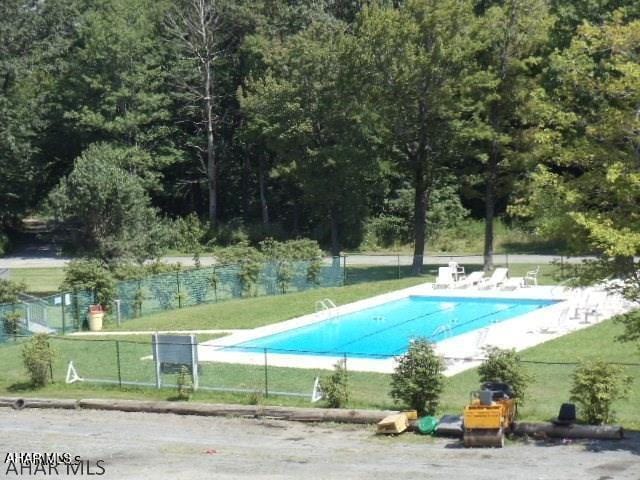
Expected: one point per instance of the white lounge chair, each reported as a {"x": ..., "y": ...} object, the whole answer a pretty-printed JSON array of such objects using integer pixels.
[
  {"x": 498, "y": 277},
  {"x": 470, "y": 280},
  {"x": 445, "y": 278},
  {"x": 513, "y": 283}
]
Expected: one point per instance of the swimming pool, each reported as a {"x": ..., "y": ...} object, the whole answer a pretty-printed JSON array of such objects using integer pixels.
[{"x": 386, "y": 330}]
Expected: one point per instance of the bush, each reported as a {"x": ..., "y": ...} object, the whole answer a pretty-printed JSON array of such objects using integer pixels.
[
  {"x": 596, "y": 385},
  {"x": 418, "y": 380},
  {"x": 91, "y": 275},
  {"x": 249, "y": 261},
  {"x": 10, "y": 290},
  {"x": 184, "y": 383},
  {"x": 283, "y": 256},
  {"x": 503, "y": 365},
  {"x": 336, "y": 387},
  {"x": 11, "y": 323},
  {"x": 4, "y": 244},
  {"x": 37, "y": 355}
]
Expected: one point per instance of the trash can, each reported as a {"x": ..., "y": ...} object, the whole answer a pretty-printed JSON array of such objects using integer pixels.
[{"x": 96, "y": 315}]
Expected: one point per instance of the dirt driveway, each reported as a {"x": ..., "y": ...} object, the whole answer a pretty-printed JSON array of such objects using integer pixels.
[{"x": 155, "y": 446}]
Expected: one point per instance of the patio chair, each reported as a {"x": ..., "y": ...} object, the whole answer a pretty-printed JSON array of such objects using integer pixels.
[
  {"x": 457, "y": 271},
  {"x": 498, "y": 277},
  {"x": 531, "y": 277},
  {"x": 445, "y": 278}
]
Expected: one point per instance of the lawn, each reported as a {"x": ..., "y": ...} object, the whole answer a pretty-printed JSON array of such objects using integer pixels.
[
  {"x": 98, "y": 359},
  {"x": 39, "y": 281},
  {"x": 259, "y": 311}
]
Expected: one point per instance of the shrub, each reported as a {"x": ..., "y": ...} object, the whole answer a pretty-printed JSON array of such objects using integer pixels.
[
  {"x": 596, "y": 385},
  {"x": 418, "y": 380},
  {"x": 10, "y": 290},
  {"x": 189, "y": 236},
  {"x": 184, "y": 383},
  {"x": 91, "y": 275},
  {"x": 256, "y": 397},
  {"x": 336, "y": 386},
  {"x": 37, "y": 355},
  {"x": 4, "y": 243},
  {"x": 11, "y": 323},
  {"x": 503, "y": 365},
  {"x": 249, "y": 261}
]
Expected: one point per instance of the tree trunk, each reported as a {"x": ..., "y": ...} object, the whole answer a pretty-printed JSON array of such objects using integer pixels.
[
  {"x": 490, "y": 208},
  {"x": 335, "y": 239},
  {"x": 262, "y": 184},
  {"x": 419, "y": 219},
  {"x": 212, "y": 170},
  {"x": 246, "y": 175}
]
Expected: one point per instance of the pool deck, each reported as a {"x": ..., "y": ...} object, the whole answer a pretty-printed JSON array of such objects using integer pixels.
[{"x": 576, "y": 309}]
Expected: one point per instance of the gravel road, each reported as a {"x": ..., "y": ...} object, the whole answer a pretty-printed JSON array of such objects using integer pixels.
[{"x": 153, "y": 446}]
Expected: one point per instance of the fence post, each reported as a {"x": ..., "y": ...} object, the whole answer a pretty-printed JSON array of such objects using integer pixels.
[
  {"x": 63, "y": 298},
  {"x": 178, "y": 284},
  {"x": 266, "y": 376},
  {"x": 156, "y": 358},
  {"x": 118, "y": 363},
  {"x": 118, "y": 316},
  {"x": 398, "y": 266},
  {"x": 506, "y": 255},
  {"x": 562, "y": 266},
  {"x": 76, "y": 311},
  {"x": 344, "y": 272}
]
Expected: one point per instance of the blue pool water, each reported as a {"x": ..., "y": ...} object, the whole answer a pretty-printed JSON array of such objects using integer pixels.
[{"x": 387, "y": 329}]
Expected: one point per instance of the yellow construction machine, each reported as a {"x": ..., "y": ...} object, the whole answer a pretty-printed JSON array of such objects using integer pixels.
[{"x": 489, "y": 415}]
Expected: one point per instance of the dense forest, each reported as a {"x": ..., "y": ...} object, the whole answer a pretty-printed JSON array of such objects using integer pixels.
[{"x": 125, "y": 120}]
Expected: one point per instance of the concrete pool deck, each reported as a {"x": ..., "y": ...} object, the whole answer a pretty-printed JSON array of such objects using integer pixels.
[{"x": 576, "y": 309}]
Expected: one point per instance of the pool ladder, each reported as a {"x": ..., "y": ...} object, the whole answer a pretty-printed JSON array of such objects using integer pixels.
[
  {"x": 444, "y": 330},
  {"x": 325, "y": 305}
]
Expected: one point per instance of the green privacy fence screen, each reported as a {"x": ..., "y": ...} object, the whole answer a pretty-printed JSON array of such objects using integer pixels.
[
  {"x": 218, "y": 283},
  {"x": 66, "y": 312}
]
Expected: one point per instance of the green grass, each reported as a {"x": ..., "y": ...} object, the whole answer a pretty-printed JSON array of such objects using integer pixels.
[
  {"x": 39, "y": 281},
  {"x": 259, "y": 311},
  {"x": 548, "y": 391},
  {"x": 467, "y": 237}
]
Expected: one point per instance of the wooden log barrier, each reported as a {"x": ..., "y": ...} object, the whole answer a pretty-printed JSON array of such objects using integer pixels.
[
  {"x": 20, "y": 403},
  {"x": 596, "y": 432},
  {"x": 212, "y": 409}
]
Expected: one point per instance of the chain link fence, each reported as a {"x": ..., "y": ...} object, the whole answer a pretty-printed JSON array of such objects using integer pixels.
[
  {"x": 360, "y": 268},
  {"x": 180, "y": 289},
  {"x": 66, "y": 312},
  {"x": 129, "y": 363}
]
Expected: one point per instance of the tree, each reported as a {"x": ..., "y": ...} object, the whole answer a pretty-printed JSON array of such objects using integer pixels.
[
  {"x": 93, "y": 276},
  {"x": 586, "y": 187},
  {"x": 513, "y": 34},
  {"x": 197, "y": 28},
  {"x": 412, "y": 58},
  {"x": 104, "y": 211},
  {"x": 117, "y": 84},
  {"x": 417, "y": 379},
  {"x": 19, "y": 112},
  {"x": 304, "y": 109}
]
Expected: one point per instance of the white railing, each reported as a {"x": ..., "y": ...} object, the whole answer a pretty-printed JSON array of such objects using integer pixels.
[{"x": 325, "y": 305}]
